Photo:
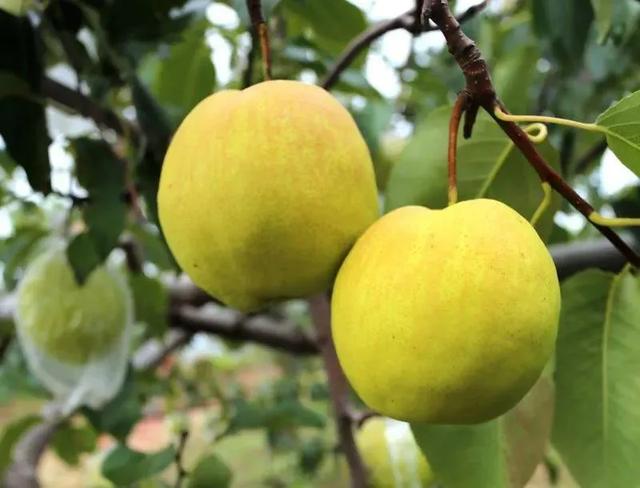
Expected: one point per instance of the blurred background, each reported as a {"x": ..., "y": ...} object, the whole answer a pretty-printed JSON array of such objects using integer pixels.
[{"x": 122, "y": 74}]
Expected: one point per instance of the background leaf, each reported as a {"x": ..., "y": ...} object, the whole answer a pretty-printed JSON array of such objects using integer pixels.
[
  {"x": 597, "y": 421},
  {"x": 26, "y": 136},
  {"x": 210, "y": 472},
  {"x": 186, "y": 75},
  {"x": 622, "y": 124},
  {"x": 488, "y": 164},
  {"x": 124, "y": 466},
  {"x": 497, "y": 454}
]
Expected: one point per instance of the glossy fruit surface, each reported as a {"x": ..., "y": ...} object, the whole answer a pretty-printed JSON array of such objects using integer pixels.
[
  {"x": 263, "y": 191},
  {"x": 391, "y": 455},
  {"x": 446, "y": 316}
]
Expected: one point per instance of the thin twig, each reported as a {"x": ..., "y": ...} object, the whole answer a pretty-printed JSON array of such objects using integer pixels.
[
  {"x": 260, "y": 329},
  {"x": 182, "y": 472},
  {"x": 247, "y": 75},
  {"x": 590, "y": 155},
  {"x": 23, "y": 470},
  {"x": 262, "y": 33},
  {"x": 405, "y": 21},
  {"x": 482, "y": 94},
  {"x": 338, "y": 389},
  {"x": 83, "y": 105}
]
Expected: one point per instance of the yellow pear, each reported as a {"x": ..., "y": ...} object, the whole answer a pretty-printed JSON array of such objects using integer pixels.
[
  {"x": 391, "y": 455},
  {"x": 446, "y": 316},
  {"x": 263, "y": 192}
]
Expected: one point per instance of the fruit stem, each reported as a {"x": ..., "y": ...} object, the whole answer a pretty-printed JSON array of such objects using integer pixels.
[
  {"x": 262, "y": 32},
  {"x": 454, "y": 125},
  {"x": 500, "y": 114}
]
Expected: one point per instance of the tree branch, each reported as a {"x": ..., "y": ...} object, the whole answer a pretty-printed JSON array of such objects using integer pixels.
[
  {"x": 338, "y": 389},
  {"x": 23, "y": 470},
  {"x": 83, "y": 105},
  {"x": 405, "y": 21},
  {"x": 590, "y": 155},
  {"x": 260, "y": 329},
  {"x": 481, "y": 93},
  {"x": 262, "y": 34}
]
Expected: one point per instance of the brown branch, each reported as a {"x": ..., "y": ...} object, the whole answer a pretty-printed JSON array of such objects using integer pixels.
[
  {"x": 406, "y": 21},
  {"x": 482, "y": 94},
  {"x": 23, "y": 470},
  {"x": 363, "y": 40},
  {"x": 83, "y": 105},
  {"x": 590, "y": 155},
  {"x": 262, "y": 34},
  {"x": 338, "y": 389},
  {"x": 247, "y": 74},
  {"x": 182, "y": 472},
  {"x": 260, "y": 329}
]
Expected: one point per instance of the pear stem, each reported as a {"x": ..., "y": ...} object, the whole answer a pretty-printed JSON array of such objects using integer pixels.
[
  {"x": 262, "y": 33},
  {"x": 454, "y": 126}
]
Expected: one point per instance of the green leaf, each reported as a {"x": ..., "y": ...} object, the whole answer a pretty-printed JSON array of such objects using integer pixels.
[
  {"x": 603, "y": 10},
  {"x": 70, "y": 441},
  {"x": 502, "y": 453},
  {"x": 187, "y": 74},
  {"x": 514, "y": 76},
  {"x": 210, "y": 472},
  {"x": 621, "y": 124},
  {"x": 26, "y": 135},
  {"x": 102, "y": 174},
  {"x": 597, "y": 421},
  {"x": 82, "y": 256},
  {"x": 119, "y": 415},
  {"x": 15, "y": 251},
  {"x": 16, "y": 7},
  {"x": 372, "y": 121},
  {"x": 151, "y": 303},
  {"x": 154, "y": 248},
  {"x": 11, "y": 434},
  {"x": 565, "y": 24},
  {"x": 124, "y": 466},
  {"x": 286, "y": 413},
  {"x": 333, "y": 23},
  {"x": 488, "y": 166}
]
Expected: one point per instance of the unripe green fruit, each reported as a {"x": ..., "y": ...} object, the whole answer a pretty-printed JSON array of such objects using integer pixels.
[
  {"x": 446, "y": 316},
  {"x": 391, "y": 455},
  {"x": 66, "y": 321},
  {"x": 263, "y": 191}
]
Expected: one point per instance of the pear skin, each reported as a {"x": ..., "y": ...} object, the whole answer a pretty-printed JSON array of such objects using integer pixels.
[
  {"x": 446, "y": 316},
  {"x": 263, "y": 192}
]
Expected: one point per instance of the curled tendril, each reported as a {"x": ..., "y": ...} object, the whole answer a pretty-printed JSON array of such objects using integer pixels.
[{"x": 537, "y": 132}]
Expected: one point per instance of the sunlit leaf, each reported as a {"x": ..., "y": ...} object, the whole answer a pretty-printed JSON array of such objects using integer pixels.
[
  {"x": 502, "y": 453},
  {"x": 597, "y": 421},
  {"x": 621, "y": 123}
]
